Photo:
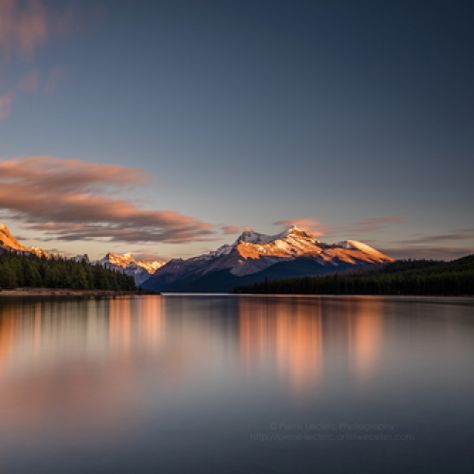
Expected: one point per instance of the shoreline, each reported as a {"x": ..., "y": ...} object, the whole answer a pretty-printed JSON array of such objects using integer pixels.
[
  {"x": 65, "y": 292},
  {"x": 69, "y": 292}
]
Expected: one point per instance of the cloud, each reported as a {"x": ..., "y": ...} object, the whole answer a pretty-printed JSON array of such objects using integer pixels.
[
  {"x": 26, "y": 25},
  {"x": 71, "y": 200},
  {"x": 363, "y": 226},
  {"x": 456, "y": 235},
  {"x": 28, "y": 84},
  {"x": 6, "y": 101},
  {"x": 436, "y": 246},
  {"x": 434, "y": 253},
  {"x": 370, "y": 224},
  {"x": 305, "y": 223},
  {"x": 374, "y": 224},
  {"x": 230, "y": 229}
]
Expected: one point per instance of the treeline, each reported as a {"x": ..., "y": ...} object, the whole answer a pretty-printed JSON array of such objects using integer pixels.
[
  {"x": 399, "y": 278},
  {"x": 30, "y": 271}
]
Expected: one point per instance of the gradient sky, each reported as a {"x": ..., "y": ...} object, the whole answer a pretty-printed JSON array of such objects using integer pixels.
[{"x": 355, "y": 118}]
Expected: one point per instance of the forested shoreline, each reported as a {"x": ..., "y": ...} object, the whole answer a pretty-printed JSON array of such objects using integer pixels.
[
  {"x": 29, "y": 271},
  {"x": 411, "y": 277}
]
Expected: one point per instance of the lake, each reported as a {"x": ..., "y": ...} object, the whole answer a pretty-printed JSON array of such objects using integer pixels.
[{"x": 236, "y": 384}]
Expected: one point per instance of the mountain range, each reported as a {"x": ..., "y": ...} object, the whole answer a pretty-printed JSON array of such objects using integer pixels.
[
  {"x": 140, "y": 270},
  {"x": 252, "y": 258},
  {"x": 255, "y": 257}
]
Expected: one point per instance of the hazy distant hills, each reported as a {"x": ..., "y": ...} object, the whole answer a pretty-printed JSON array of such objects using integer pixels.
[{"x": 255, "y": 257}]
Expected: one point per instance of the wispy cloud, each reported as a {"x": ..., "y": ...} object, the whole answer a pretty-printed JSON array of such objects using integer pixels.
[
  {"x": 428, "y": 252},
  {"x": 27, "y": 25},
  {"x": 6, "y": 101},
  {"x": 231, "y": 229},
  {"x": 446, "y": 246},
  {"x": 455, "y": 235},
  {"x": 28, "y": 84},
  {"x": 374, "y": 224},
  {"x": 363, "y": 226},
  {"x": 306, "y": 223},
  {"x": 70, "y": 200}
]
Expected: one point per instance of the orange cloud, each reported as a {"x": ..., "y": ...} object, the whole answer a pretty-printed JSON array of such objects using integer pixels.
[
  {"x": 306, "y": 223},
  {"x": 67, "y": 200},
  {"x": 230, "y": 229},
  {"x": 27, "y": 25}
]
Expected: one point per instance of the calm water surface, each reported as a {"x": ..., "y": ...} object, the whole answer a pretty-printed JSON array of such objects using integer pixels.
[{"x": 236, "y": 384}]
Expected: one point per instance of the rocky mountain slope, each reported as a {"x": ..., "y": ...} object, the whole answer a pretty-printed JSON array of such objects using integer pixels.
[
  {"x": 254, "y": 257},
  {"x": 10, "y": 243},
  {"x": 140, "y": 270}
]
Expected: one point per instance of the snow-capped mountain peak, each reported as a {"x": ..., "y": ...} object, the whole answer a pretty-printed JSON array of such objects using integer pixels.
[
  {"x": 252, "y": 237},
  {"x": 290, "y": 243},
  {"x": 10, "y": 243},
  {"x": 367, "y": 249},
  {"x": 140, "y": 270},
  {"x": 294, "y": 232},
  {"x": 253, "y": 253}
]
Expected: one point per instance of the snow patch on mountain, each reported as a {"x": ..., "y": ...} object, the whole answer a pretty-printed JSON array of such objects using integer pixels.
[
  {"x": 126, "y": 263},
  {"x": 253, "y": 252}
]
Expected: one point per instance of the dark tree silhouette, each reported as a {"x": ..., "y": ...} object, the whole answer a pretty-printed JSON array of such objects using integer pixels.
[
  {"x": 411, "y": 277},
  {"x": 22, "y": 270}
]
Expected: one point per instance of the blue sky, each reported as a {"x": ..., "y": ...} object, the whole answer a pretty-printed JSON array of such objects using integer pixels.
[{"x": 357, "y": 115}]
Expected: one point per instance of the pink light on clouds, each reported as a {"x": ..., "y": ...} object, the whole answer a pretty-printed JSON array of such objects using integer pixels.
[
  {"x": 25, "y": 26},
  {"x": 70, "y": 200},
  {"x": 306, "y": 223}
]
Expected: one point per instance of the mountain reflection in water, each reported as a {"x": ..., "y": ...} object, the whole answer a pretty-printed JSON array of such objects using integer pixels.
[{"x": 98, "y": 374}]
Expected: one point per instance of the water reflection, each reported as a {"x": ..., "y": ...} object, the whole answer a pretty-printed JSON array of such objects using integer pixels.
[
  {"x": 92, "y": 370},
  {"x": 300, "y": 338},
  {"x": 64, "y": 363},
  {"x": 366, "y": 320},
  {"x": 287, "y": 333},
  {"x": 306, "y": 337}
]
